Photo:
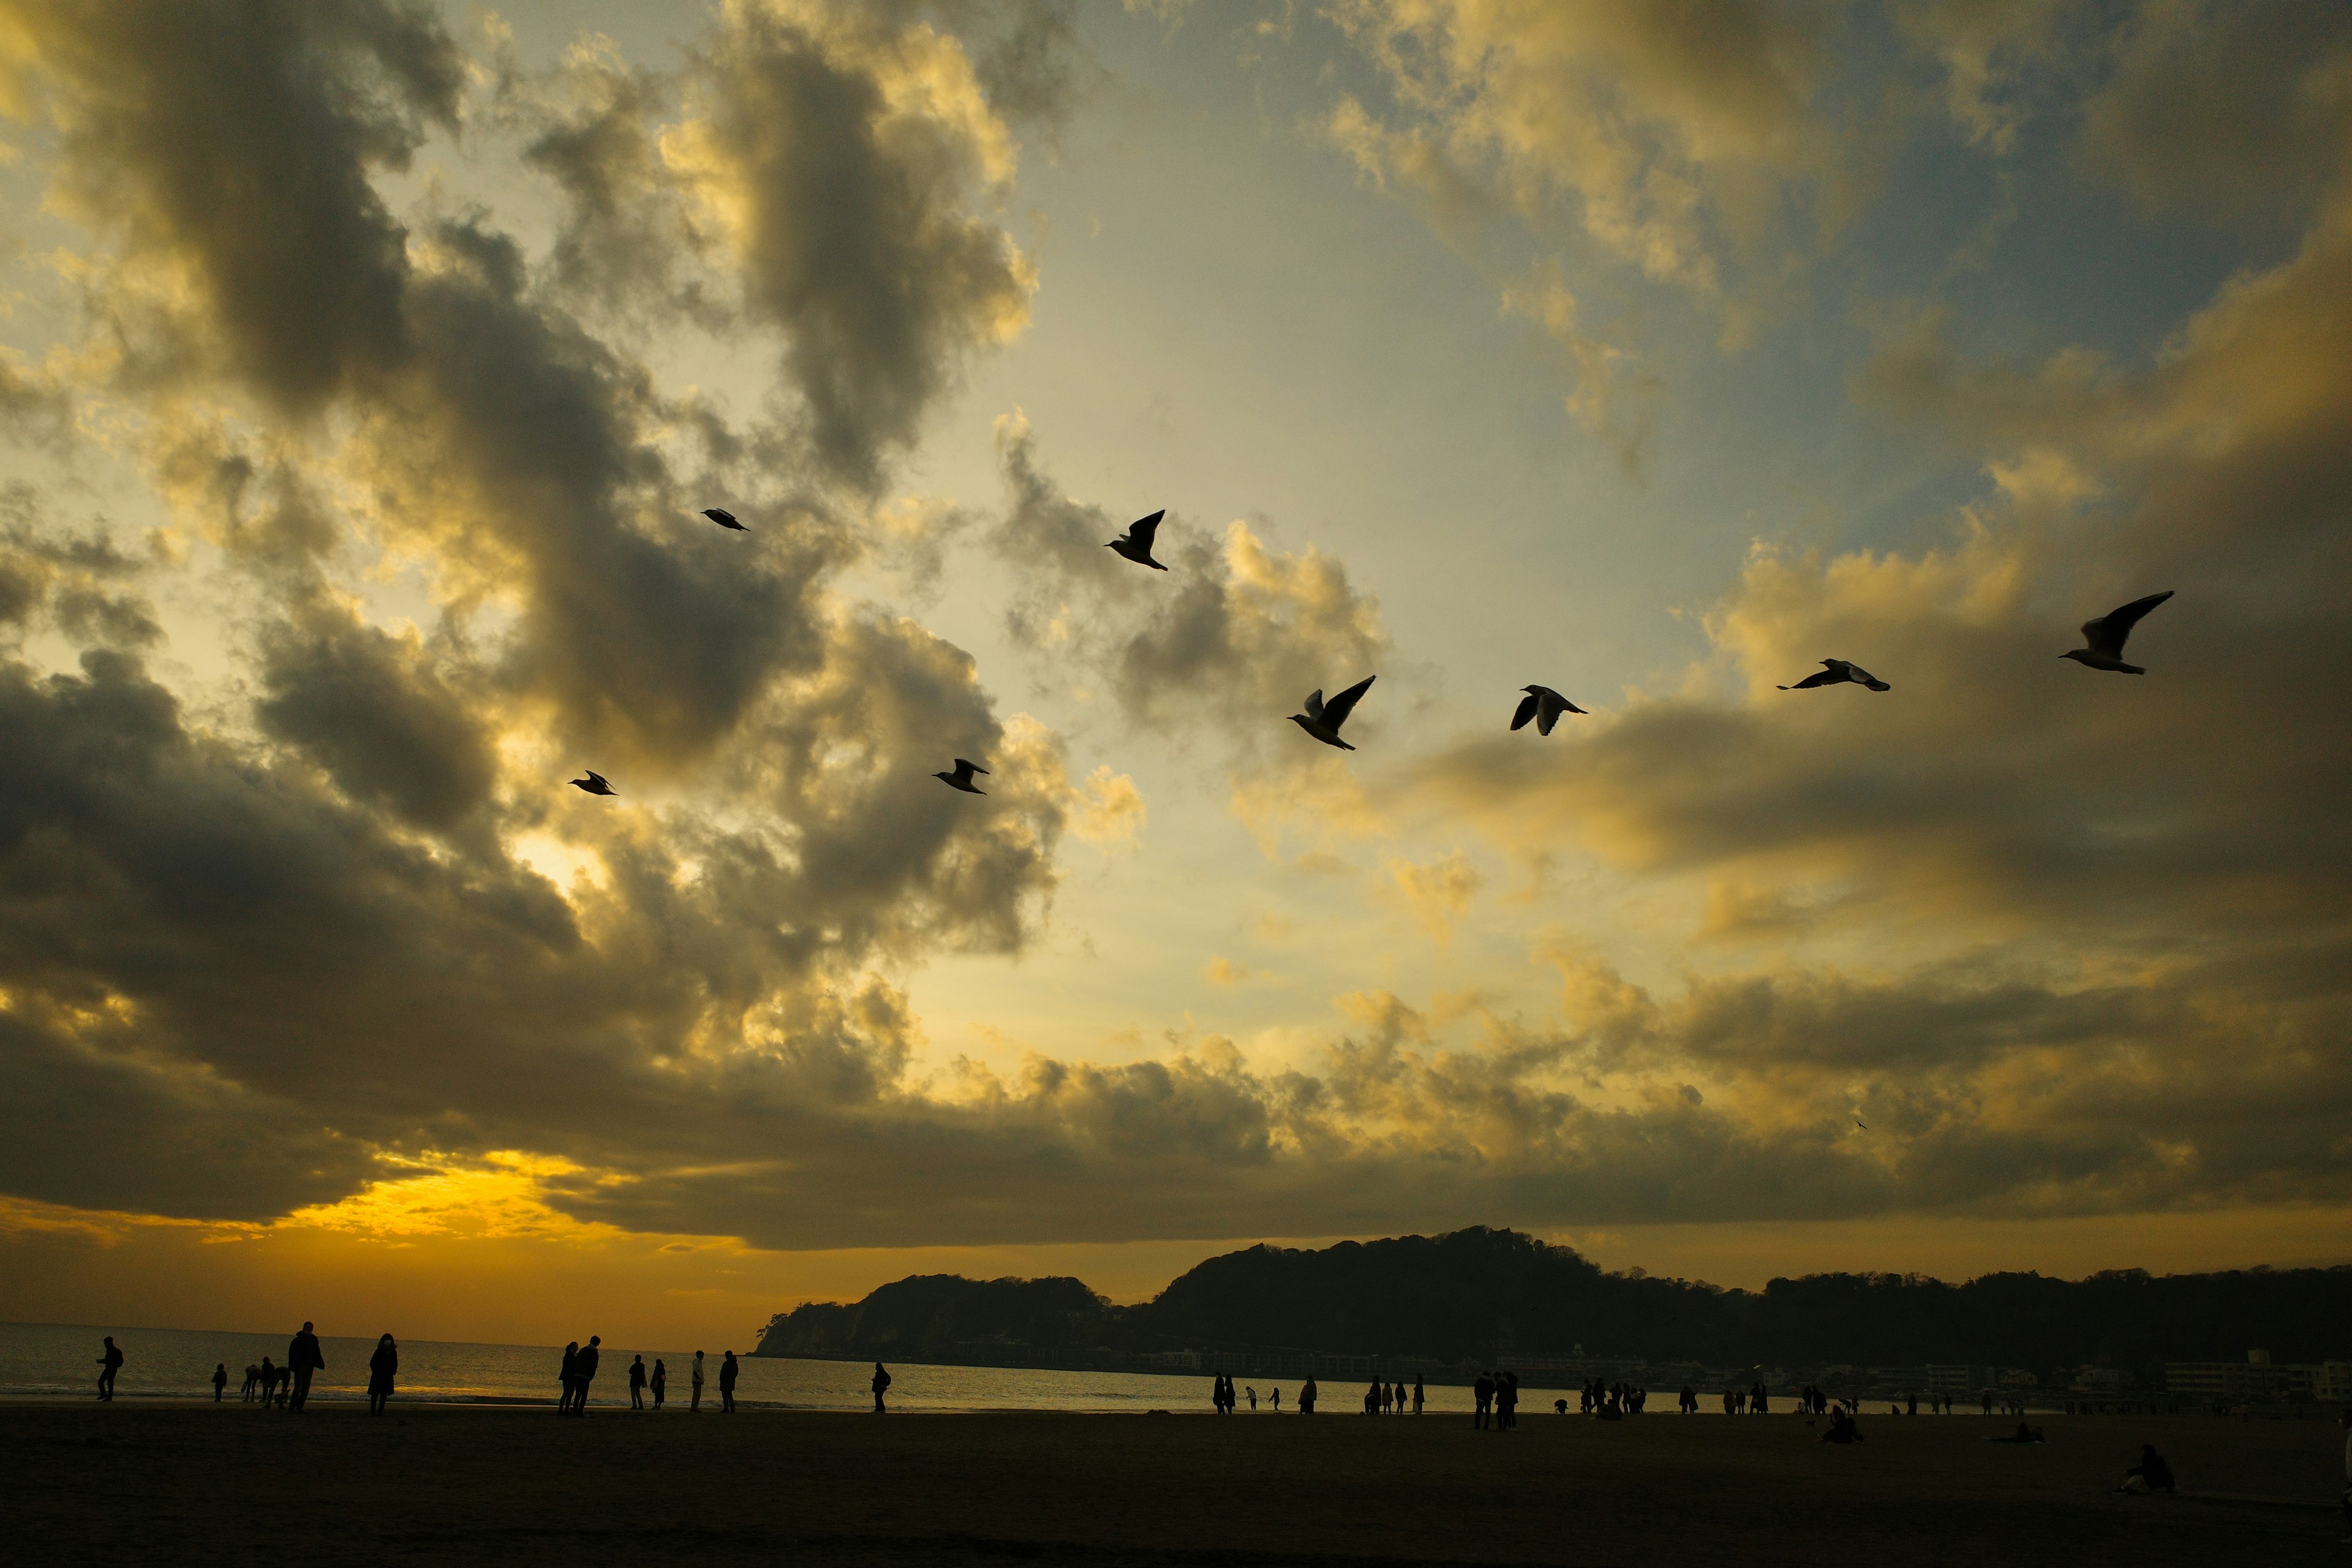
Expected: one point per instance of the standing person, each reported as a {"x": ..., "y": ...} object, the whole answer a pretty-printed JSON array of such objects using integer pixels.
[
  {"x": 881, "y": 1384},
  {"x": 727, "y": 1371},
  {"x": 584, "y": 1373},
  {"x": 382, "y": 1366},
  {"x": 637, "y": 1384},
  {"x": 302, "y": 1359},
  {"x": 1507, "y": 1401},
  {"x": 108, "y": 1365},
  {"x": 694, "y": 1401},
  {"x": 660, "y": 1383},
  {"x": 269, "y": 1381},
  {"x": 1278, "y": 1410},
  {"x": 1251, "y": 1389},
  {"x": 566, "y": 1379},
  {"x": 1416, "y": 1394},
  {"x": 1483, "y": 1392},
  {"x": 1306, "y": 1398},
  {"x": 220, "y": 1380}
]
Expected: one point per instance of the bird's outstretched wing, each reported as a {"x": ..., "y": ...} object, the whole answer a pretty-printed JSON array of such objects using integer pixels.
[
  {"x": 1818, "y": 678},
  {"x": 1528, "y": 706},
  {"x": 1143, "y": 528},
  {"x": 970, "y": 767},
  {"x": 723, "y": 518},
  {"x": 595, "y": 777},
  {"x": 1335, "y": 712},
  {"x": 1314, "y": 704},
  {"x": 2107, "y": 633}
]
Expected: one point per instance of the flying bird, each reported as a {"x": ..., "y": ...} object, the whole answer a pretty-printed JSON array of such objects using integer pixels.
[
  {"x": 1543, "y": 705},
  {"x": 594, "y": 784},
  {"x": 1834, "y": 671},
  {"x": 1858, "y": 1121},
  {"x": 1136, "y": 543},
  {"x": 723, "y": 518},
  {"x": 1322, "y": 719},
  {"x": 2106, "y": 636},
  {"x": 961, "y": 778}
]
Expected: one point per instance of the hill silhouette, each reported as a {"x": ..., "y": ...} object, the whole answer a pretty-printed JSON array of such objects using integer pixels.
[{"x": 1482, "y": 1295}]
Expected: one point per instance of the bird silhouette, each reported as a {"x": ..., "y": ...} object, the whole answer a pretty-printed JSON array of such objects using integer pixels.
[
  {"x": 1543, "y": 705},
  {"x": 1136, "y": 543},
  {"x": 723, "y": 518},
  {"x": 594, "y": 784},
  {"x": 1322, "y": 719},
  {"x": 2105, "y": 637},
  {"x": 1836, "y": 671},
  {"x": 961, "y": 778},
  {"x": 1858, "y": 1121}
]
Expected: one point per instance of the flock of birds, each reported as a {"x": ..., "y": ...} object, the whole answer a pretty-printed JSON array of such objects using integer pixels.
[{"x": 2103, "y": 648}]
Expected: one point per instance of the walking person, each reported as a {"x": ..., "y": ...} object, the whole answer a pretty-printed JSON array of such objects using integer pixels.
[
  {"x": 1277, "y": 1408},
  {"x": 637, "y": 1384},
  {"x": 659, "y": 1383},
  {"x": 220, "y": 1380},
  {"x": 694, "y": 1400},
  {"x": 302, "y": 1359},
  {"x": 566, "y": 1380},
  {"x": 584, "y": 1373},
  {"x": 381, "y": 1367},
  {"x": 881, "y": 1382},
  {"x": 108, "y": 1365},
  {"x": 727, "y": 1370}
]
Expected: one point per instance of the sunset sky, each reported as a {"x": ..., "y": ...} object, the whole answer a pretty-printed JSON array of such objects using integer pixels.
[{"x": 367, "y": 363}]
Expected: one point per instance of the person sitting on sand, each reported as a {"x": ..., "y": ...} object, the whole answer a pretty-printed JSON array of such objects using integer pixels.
[
  {"x": 2023, "y": 1434},
  {"x": 2150, "y": 1475},
  {"x": 727, "y": 1371},
  {"x": 659, "y": 1381},
  {"x": 881, "y": 1382},
  {"x": 1842, "y": 1429},
  {"x": 108, "y": 1365},
  {"x": 220, "y": 1380}
]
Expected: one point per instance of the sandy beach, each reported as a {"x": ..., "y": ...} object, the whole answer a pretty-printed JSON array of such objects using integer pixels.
[{"x": 440, "y": 1484}]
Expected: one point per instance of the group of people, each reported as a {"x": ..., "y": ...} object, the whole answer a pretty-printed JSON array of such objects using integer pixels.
[
  {"x": 1613, "y": 1401},
  {"x": 1225, "y": 1399},
  {"x": 1494, "y": 1397},
  {"x": 288, "y": 1387},
  {"x": 579, "y": 1372},
  {"x": 1384, "y": 1398}
]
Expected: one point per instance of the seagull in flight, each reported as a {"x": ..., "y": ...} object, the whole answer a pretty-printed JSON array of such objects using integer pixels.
[
  {"x": 723, "y": 518},
  {"x": 1322, "y": 719},
  {"x": 1136, "y": 543},
  {"x": 594, "y": 784},
  {"x": 2105, "y": 637},
  {"x": 1858, "y": 1121},
  {"x": 961, "y": 778},
  {"x": 1835, "y": 671},
  {"x": 1543, "y": 705}
]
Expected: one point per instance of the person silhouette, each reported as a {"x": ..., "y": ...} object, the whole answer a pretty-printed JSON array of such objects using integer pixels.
[
  {"x": 726, "y": 1372},
  {"x": 108, "y": 1365},
  {"x": 1251, "y": 1389},
  {"x": 1483, "y": 1393},
  {"x": 694, "y": 1396},
  {"x": 1306, "y": 1398},
  {"x": 568, "y": 1379},
  {"x": 1275, "y": 1399},
  {"x": 382, "y": 1366},
  {"x": 584, "y": 1373},
  {"x": 637, "y": 1384},
  {"x": 1416, "y": 1394},
  {"x": 268, "y": 1373},
  {"x": 220, "y": 1380},
  {"x": 659, "y": 1381},
  {"x": 881, "y": 1384},
  {"x": 302, "y": 1359},
  {"x": 252, "y": 1381},
  {"x": 1507, "y": 1402},
  {"x": 2150, "y": 1475}
]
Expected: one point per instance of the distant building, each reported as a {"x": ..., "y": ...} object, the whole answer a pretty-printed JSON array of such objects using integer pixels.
[
  {"x": 2257, "y": 1380},
  {"x": 1958, "y": 1378}
]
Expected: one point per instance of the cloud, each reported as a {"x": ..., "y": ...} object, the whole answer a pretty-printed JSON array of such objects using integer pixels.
[{"x": 837, "y": 157}]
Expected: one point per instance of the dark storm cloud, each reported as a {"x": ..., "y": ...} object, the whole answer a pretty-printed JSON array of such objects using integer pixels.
[
  {"x": 236, "y": 139},
  {"x": 842, "y": 156}
]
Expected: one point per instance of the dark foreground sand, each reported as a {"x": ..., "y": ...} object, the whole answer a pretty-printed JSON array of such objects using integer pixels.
[{"x": 203, "y": 1484}]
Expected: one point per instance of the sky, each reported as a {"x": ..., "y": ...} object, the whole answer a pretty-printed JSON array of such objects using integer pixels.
[{"x": 366, "y": 364}]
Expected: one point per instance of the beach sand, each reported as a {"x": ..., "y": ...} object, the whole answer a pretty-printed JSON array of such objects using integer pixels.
[{"x": 133, "y": 1483}]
